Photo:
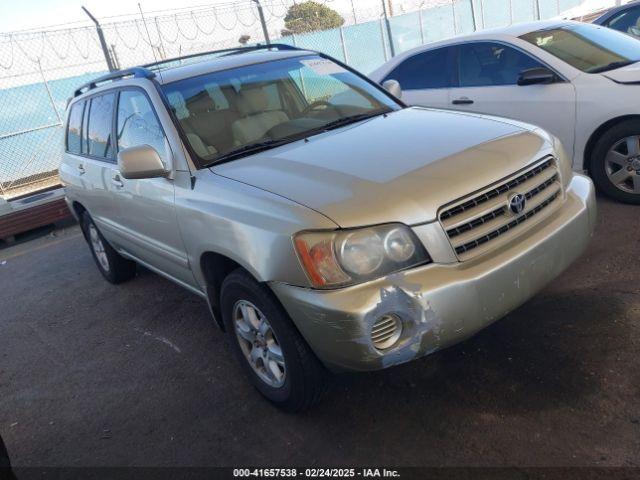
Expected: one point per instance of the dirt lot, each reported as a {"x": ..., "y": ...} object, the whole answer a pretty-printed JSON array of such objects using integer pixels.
[{"x": 93, "y": 374}]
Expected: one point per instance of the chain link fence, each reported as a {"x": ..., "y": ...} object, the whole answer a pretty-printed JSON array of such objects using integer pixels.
[{"x": 39, "y": 70}]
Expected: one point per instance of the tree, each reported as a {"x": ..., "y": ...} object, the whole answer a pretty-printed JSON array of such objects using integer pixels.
[{"x": 310, "y": 17}]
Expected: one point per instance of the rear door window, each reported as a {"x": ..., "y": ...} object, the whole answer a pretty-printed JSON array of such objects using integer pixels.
[
  {"x": 74, "y": 128},
  {"x": 425, "y": 70},
  {"x": 99, "y": 126}
]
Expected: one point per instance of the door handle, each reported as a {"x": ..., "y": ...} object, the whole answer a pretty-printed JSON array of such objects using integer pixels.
[
  {"x": 462, "y": 101},
  {"x": 117, "y": 182},
  {"x": 81, "y": 169}
]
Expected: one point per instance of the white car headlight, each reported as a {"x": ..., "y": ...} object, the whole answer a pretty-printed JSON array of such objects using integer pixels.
[{"x": 344, "y": 257}]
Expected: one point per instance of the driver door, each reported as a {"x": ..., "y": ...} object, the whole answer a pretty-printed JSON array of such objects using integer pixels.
[{"x": 147, "y": 214}]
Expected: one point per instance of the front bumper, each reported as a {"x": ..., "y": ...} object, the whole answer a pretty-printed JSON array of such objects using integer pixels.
[{"x": 441, "y": 304}]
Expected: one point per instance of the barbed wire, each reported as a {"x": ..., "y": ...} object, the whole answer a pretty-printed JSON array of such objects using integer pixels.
[{"x": 40, "y": 69}]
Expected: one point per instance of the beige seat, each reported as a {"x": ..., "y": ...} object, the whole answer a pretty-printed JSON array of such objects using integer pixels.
[
  {"x": 255, "y": 119},
  {"x": 182, "y": 112}
]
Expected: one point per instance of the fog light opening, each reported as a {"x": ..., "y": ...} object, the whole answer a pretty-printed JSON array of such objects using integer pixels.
[{"x": 386, "y": 331}]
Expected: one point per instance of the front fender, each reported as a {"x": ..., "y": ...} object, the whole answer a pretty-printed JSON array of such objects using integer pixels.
[{"x": 248, "y": 225}]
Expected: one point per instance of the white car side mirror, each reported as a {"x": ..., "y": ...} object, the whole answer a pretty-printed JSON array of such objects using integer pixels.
[{"x": 393, "y": 87}]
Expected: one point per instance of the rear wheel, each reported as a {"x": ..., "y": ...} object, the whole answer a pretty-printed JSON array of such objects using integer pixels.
[
  {"x": 277, "y": 360},
  {"x": 615, "y": 162},
  {"x": 114, "y": 267}
]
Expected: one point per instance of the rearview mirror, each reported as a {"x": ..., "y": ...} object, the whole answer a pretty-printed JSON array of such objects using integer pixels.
[
  {"x": 393, "y": 87},
  {"x": 142, "y": 161},
  {"x": 536, "y": 76}
]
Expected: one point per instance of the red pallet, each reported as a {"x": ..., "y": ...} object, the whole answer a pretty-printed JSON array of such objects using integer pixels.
[{"x": 33, "y": 217}]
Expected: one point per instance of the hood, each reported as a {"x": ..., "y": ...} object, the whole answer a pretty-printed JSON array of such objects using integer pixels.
[
  {"x": 398, "y": 168},
  {"x": 628, "y": 74}
]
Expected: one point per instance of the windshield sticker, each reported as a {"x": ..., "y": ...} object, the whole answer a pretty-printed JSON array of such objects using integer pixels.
[{"x": 322, "y": 66}]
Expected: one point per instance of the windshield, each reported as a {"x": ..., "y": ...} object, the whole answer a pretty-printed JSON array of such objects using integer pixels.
[
  {"x": 589, "y": 48},
  {"x": 239, "y": 111}
]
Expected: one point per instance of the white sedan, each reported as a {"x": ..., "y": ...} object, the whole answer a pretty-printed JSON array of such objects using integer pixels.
[{"x": 579, "y": 81}]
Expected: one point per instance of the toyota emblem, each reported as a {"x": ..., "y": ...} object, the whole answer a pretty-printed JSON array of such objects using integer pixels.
[{"x": 516, "y": 203}]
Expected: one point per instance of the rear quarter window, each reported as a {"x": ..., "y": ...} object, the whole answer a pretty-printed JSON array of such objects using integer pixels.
[{"x": 74, "y": 128}]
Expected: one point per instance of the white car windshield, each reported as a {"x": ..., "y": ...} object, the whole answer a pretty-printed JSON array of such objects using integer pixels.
[
  {"x": 235, "y": 112},
  {"x": 590, "y": 48}
]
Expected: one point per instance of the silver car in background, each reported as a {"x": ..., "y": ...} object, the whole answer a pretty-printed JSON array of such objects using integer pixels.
[{"x": 328, "y": 226}]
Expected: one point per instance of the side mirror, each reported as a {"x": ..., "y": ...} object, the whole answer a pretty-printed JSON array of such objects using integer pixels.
[
  {"x": 536, "y": 76},
  {"x": 142, "y": 161},
  {"x": 393, "y": 87}
]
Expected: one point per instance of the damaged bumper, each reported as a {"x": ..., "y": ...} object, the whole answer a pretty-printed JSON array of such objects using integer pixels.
[{"x": 441, "y": 304}]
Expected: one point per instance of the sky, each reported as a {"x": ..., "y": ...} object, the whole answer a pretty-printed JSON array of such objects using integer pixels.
[{"x": 29, "y": 14}]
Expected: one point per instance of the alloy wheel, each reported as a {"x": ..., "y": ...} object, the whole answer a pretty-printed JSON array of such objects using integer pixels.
[
  {"x": 622, "y": 164},
  {"x": 98, "y": 247},
  {"x": 259, "y": 343}
]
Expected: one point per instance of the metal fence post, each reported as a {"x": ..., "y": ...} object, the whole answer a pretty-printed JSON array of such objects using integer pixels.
[
  {"x": 473, "y": 16},
  {"x": 103, "y": 43},
  {"x": 536, "y": 6},
  {"x": 388, "y": 23},
  {"x": 384, "y": 43},
  {"x": 46, "y": 86},
  {"x": 453, "y": 13},
  {"x": 265, "y": 31},
  {"x": 344, "y": 46}
]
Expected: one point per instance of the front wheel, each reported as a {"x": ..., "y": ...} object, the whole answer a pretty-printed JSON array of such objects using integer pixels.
[
  {"x": 272, "y": 352},
  {"x": 615, "y": 162}
]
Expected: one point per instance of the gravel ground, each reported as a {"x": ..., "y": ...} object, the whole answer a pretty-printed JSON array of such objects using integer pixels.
[{"x": 97, "y": 375}]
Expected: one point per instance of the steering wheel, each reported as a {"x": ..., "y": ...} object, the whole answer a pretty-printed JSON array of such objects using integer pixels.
[{"x": 316, "y": 104}]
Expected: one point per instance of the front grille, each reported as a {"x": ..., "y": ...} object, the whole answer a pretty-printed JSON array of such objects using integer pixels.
[{"x": 477, "y": 221}]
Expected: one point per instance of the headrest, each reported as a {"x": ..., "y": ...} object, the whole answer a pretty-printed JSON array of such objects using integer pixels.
[
  {"x": 252, "y": 100},
  {"x": 201, "y": 103},
  {"x": 179, "y": 105}
]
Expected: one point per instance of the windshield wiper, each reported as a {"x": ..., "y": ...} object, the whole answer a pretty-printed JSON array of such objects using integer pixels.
[
  {"x": 341, "y": 122},
  {"x": 273, "y": 143},
  {"x": 611, "y": 66},
  {"x": 250, "y": 149}
]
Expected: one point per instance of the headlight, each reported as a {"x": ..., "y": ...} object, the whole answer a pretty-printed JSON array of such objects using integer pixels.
[{"x": 340, "y": 258}]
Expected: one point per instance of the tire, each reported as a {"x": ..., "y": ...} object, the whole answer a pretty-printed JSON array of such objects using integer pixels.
[
  {"x": 611, "y": 156},
  {"x": 113, "y": 267},
  {"x": 303, "y": 378}
]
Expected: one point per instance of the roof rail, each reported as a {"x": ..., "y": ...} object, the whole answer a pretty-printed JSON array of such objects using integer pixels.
[
  {"x": 225, "y": 52},
  {"x": 136, "y": 72}
]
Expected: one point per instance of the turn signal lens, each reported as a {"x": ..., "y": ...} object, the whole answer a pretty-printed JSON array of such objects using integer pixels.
[{"x": 319, "y": 261}]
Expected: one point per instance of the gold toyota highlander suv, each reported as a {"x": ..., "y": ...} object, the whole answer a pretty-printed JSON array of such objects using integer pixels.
[{"x": 327, "y": 225}]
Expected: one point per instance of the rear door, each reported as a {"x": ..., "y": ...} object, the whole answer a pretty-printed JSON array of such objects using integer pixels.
[
  {"x": 487, "y": 75},
  {"x": 425, "y": 77},
  {"x": 97, "y": 164},
  {"x": 72, "y": 168},
  {"x": 147, "y": 214}
]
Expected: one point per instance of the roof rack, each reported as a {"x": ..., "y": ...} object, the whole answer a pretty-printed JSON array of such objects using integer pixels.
[
  {"x": 145, "y": 72},
  {"x": 225, "y": 52},
  {"x": 136, "y": 72}
]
